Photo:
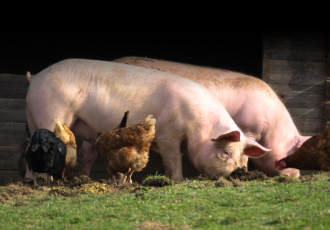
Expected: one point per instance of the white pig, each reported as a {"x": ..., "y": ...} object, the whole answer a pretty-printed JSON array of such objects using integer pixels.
[
  {"x": 91, "y": 96},
  {"x": 252, "y": 104}
]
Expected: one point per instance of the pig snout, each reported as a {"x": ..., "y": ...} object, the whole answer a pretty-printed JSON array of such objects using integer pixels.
[{"x": 225, "y": 157}]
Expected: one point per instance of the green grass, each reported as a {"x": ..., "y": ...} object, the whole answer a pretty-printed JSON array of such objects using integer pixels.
[
  {"x": 198, "y": 204},
  {"x": 156, "y": 176}
]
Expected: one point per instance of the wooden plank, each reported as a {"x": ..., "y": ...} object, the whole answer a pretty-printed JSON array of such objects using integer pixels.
[
  {"x": 12, "y": 110},
  {"x": 295, "y": 45},
  {"x": 309, "y": 125},
  {"x": 298, "y": 89},
  {"x": 9, "y": 156},
  {"x": 327, "y": 110},
  {"x": 309, "y": 134},
  {"x": 315, "y": 113},
  {"x": 327, "y": 87},
  {"x": 302, "y": 101},
  {"x": 294, "y": 72},
  {"x": 9, "y": 176},
  {"x": 296, "y": 96},
  {"x": 13, "y": 86},
  {"x": 11, "y": 134}
]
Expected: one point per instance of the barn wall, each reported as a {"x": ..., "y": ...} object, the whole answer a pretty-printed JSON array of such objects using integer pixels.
[
  {"x": 294, "y": 65},
  {"x": 13, "y": 89}
]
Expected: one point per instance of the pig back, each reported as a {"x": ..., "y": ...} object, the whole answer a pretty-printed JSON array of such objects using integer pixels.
[{"x": 105, "y": 90}]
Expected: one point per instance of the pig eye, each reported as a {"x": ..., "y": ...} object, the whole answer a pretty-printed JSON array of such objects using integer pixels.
[{"x": 227, "y": 153}]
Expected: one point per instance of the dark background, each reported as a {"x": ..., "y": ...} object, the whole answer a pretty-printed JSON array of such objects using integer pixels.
[{"x": 240, "y": 52}]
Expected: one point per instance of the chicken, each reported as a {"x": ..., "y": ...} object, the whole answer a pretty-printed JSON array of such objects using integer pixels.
[
  {"x": 65, "y": 134},
  {"x": 126, "y": 149},
  {"x": 314, "y": 154},
  {"x": 46, "y": 154}
]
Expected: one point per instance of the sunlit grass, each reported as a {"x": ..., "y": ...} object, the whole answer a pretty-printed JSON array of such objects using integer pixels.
[{"x": 197, "y": 204}]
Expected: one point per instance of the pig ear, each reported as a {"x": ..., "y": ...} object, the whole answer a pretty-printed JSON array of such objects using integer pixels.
[
  {"x": 233, "y": 136},
  {"x": 254, "y": 150}
]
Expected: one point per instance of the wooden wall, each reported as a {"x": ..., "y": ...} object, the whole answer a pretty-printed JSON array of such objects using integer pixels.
[
  {"x": 294, "y": 65},
  {"x": 13, "y": 89}
]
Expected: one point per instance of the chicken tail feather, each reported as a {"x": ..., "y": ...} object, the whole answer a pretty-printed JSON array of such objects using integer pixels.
[{"x": 150, "y": 120}]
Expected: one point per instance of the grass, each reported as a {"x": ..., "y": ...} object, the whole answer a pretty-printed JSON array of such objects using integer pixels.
[
  {"x": 156, "y": 176},
  {"x": 272, "y": 204}
]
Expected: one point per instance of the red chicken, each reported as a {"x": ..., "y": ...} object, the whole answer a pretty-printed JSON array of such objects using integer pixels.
[
  {"x": 65, "y": 134},
  {"x": 126, "y": 149},
  {"x": 314, "y": 154}
]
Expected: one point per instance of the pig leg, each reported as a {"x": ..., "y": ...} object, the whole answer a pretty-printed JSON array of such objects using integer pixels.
[
  {"x": 87, "y": 155},
  {"x": 170, "y": 151}
]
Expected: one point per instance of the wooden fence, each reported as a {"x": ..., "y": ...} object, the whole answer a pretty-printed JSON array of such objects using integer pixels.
[{"x": 295, "y": 66}]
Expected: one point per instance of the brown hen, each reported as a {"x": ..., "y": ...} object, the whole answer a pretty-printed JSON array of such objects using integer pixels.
[
  {"x": 314, "y": 154},
  {"x": 126, "y": 149},
  {"x": 65, "y": 134}
]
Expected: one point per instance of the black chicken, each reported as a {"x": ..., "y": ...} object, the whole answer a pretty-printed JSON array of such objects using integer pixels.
[{"x": 46, "y": 154}]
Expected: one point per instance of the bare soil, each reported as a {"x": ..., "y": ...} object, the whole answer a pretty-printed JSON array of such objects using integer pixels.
[
  {"x": 17, "y": 190},
  {"x": 243, "y": 175},
  {"x": 155, "y": 226},
  {"x": 158, "y": 182},
  {"x": 85, "y": 185}
]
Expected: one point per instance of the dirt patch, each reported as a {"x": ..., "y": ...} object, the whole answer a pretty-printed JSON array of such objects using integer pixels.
[
  {"x": 240, "y": 173},
  {"x": 244, "y": 175},
  {"x": 286, "y": 179},
  {"x": 85, "y": 185},
  {"x": 237, "y": 183},
  {"x": 64, "y": 187},
  {"x": 158, "y": 182},
  {"x": 5, "y": 197},
  {"x": 201, "y": 177},
  {"x": 155, "y": 226},
  {"x": 16, "y": 190},
  {"x": 222, "y": 182},
  {"x": 21, "y": 203}
]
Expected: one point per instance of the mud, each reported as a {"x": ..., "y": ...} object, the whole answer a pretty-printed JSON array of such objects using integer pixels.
[
  {"x": 158, "y": 182},
  {"x": 222, "y": 182},
  {"x": 17, "y": 193},
  {"x": 240, "y": 173},
  {"x": 17, "y": 190},
  {"x": 155, "y": 226},
  {"x": 243, "y": 175}
]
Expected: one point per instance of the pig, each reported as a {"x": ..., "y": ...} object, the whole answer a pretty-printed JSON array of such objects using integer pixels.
[
  {"x": 252, "y": 104},
  {"x": 90, "y": 96}
]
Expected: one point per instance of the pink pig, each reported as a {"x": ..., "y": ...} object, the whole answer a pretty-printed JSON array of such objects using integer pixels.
[
  {"x": 91, "y": 96},
  {"x": 251, "y": 103}
]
